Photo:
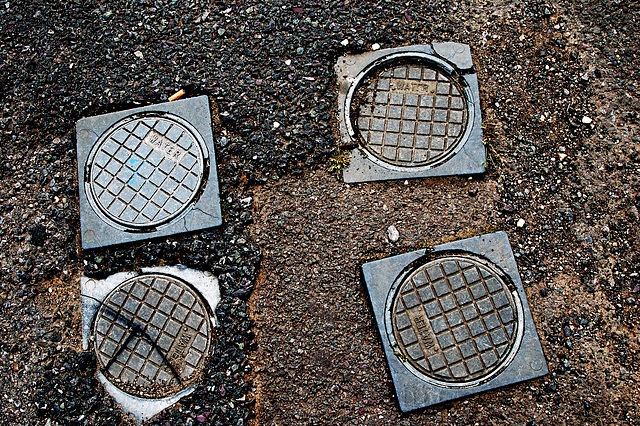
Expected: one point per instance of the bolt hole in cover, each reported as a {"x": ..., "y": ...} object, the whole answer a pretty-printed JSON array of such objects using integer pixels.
[
  {"x": 152, "y": 335},
  {"x": 454, "y": 322},
  {"x": 411, "y": 112},
  {"x": 147, "y": 172}
]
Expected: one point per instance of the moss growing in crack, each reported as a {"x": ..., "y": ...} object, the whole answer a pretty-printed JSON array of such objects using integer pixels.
[
  {"x": 225, "y": 208},
  {"x": 426, "y": 245},
  {"x": 494, "y": 160},
  {"x": 339, "y": 161}
]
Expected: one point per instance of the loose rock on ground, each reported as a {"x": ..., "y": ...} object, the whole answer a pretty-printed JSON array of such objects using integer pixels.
[{"x": 551, "y": 75}]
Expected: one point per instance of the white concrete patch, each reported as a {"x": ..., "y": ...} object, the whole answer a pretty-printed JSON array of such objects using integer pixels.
[{"x": 94, "y": 292}]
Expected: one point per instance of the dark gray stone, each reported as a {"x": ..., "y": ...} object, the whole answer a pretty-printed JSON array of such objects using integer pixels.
[
  {"x": 454, "y": 322},
  {"x": 147, "y": 172},
  {"x": 418, "y": 113}
]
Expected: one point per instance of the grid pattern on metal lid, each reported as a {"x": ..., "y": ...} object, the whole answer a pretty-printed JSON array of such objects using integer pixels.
[
  {"x": 152, "y": 332},
  {"x": 411, "y": 115},
  {"x": 454, "y": 319},
  {"x": 146, "y": 171}
]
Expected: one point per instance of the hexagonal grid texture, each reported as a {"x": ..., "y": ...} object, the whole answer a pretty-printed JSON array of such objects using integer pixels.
[
  {"x": 411, "y": 115},
  {"x": 145, "y": 171},
  {"x": 454, "y": 319},
  {"x": 152, "y": 330}
]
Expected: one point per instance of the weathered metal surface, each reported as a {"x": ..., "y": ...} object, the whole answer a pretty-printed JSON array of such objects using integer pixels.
[
  {"x": 455, "y": 321},
  {"x": 152, "y": 331},
  {"x": 152, "y": 335},
  {"x": 410, "y": 112},
  {"x": 147, "y": 172}
]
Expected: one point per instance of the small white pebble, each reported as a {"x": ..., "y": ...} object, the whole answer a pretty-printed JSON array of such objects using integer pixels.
[
  {"x": 587, "y": 120},
  {"x": 562, "y": 156},
  {"x": 344, "y": 42},
  {"x": 375, "y": 46},
  {"x": 520, "y": 223},
  {"x": 287, "y": 62},
  {"x": 393, "y": 234},
  {"x": 276, "y": 124},
  {"x": 138, "y": 54}
]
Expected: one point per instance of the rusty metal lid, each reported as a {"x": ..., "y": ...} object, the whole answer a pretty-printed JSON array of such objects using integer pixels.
[
  {"x": 410, "y": 112},
  {"x": 455, "y": 320},
  {"x": 152, "y": 335}
]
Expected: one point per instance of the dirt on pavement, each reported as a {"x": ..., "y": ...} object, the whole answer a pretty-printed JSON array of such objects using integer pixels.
[{"x": 297, "y": 343}]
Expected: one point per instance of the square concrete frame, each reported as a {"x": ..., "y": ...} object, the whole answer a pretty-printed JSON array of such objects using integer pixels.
[
  {"x": 204, "y": 213},
  {"x": 92, "y": 294},
  {"x": 470, "y": 159},
  {"x": 414, "y": 393}
]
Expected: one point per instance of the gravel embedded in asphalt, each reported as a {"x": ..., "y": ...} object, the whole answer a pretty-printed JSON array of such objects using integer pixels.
[{"x": 552, "y": 76}]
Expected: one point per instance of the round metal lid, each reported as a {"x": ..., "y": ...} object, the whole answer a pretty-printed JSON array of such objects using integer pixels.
[
  {"x": 145, "y": 170},
  {"x": 410, "y": 113},
  {"x": 455, "y": 321},
  {"x": 152, "y": 335}
]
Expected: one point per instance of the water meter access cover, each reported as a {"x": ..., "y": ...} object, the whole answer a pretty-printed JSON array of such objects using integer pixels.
[
  {"x": 152, "y": 335},
  {"x": 147, "y": 172},
  {"x": 455, "y": 321},
  {"x": 410, "y": 112}
]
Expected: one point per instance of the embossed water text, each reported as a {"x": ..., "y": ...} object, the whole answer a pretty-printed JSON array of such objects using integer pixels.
[
  {"x": 165, "y": 146},
  {"x": 181, "y": 347},
  {"x": 423, "y": 329},
  {"x": 413, "y": 87}
]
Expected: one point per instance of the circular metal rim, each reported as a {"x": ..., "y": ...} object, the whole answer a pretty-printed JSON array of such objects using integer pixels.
[
  {"x": 97, "y": 207},
  {"x": 393, "y": 291},
  {"x": 438, "y": 63},
  {"x": 208, "y": 317}
]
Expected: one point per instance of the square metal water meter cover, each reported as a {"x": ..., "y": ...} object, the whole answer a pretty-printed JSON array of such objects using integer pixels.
[
  {"x": 455, "y": 321},
  {"x": 147, "y": 172},
  {"x": 410, "y": 112}
]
